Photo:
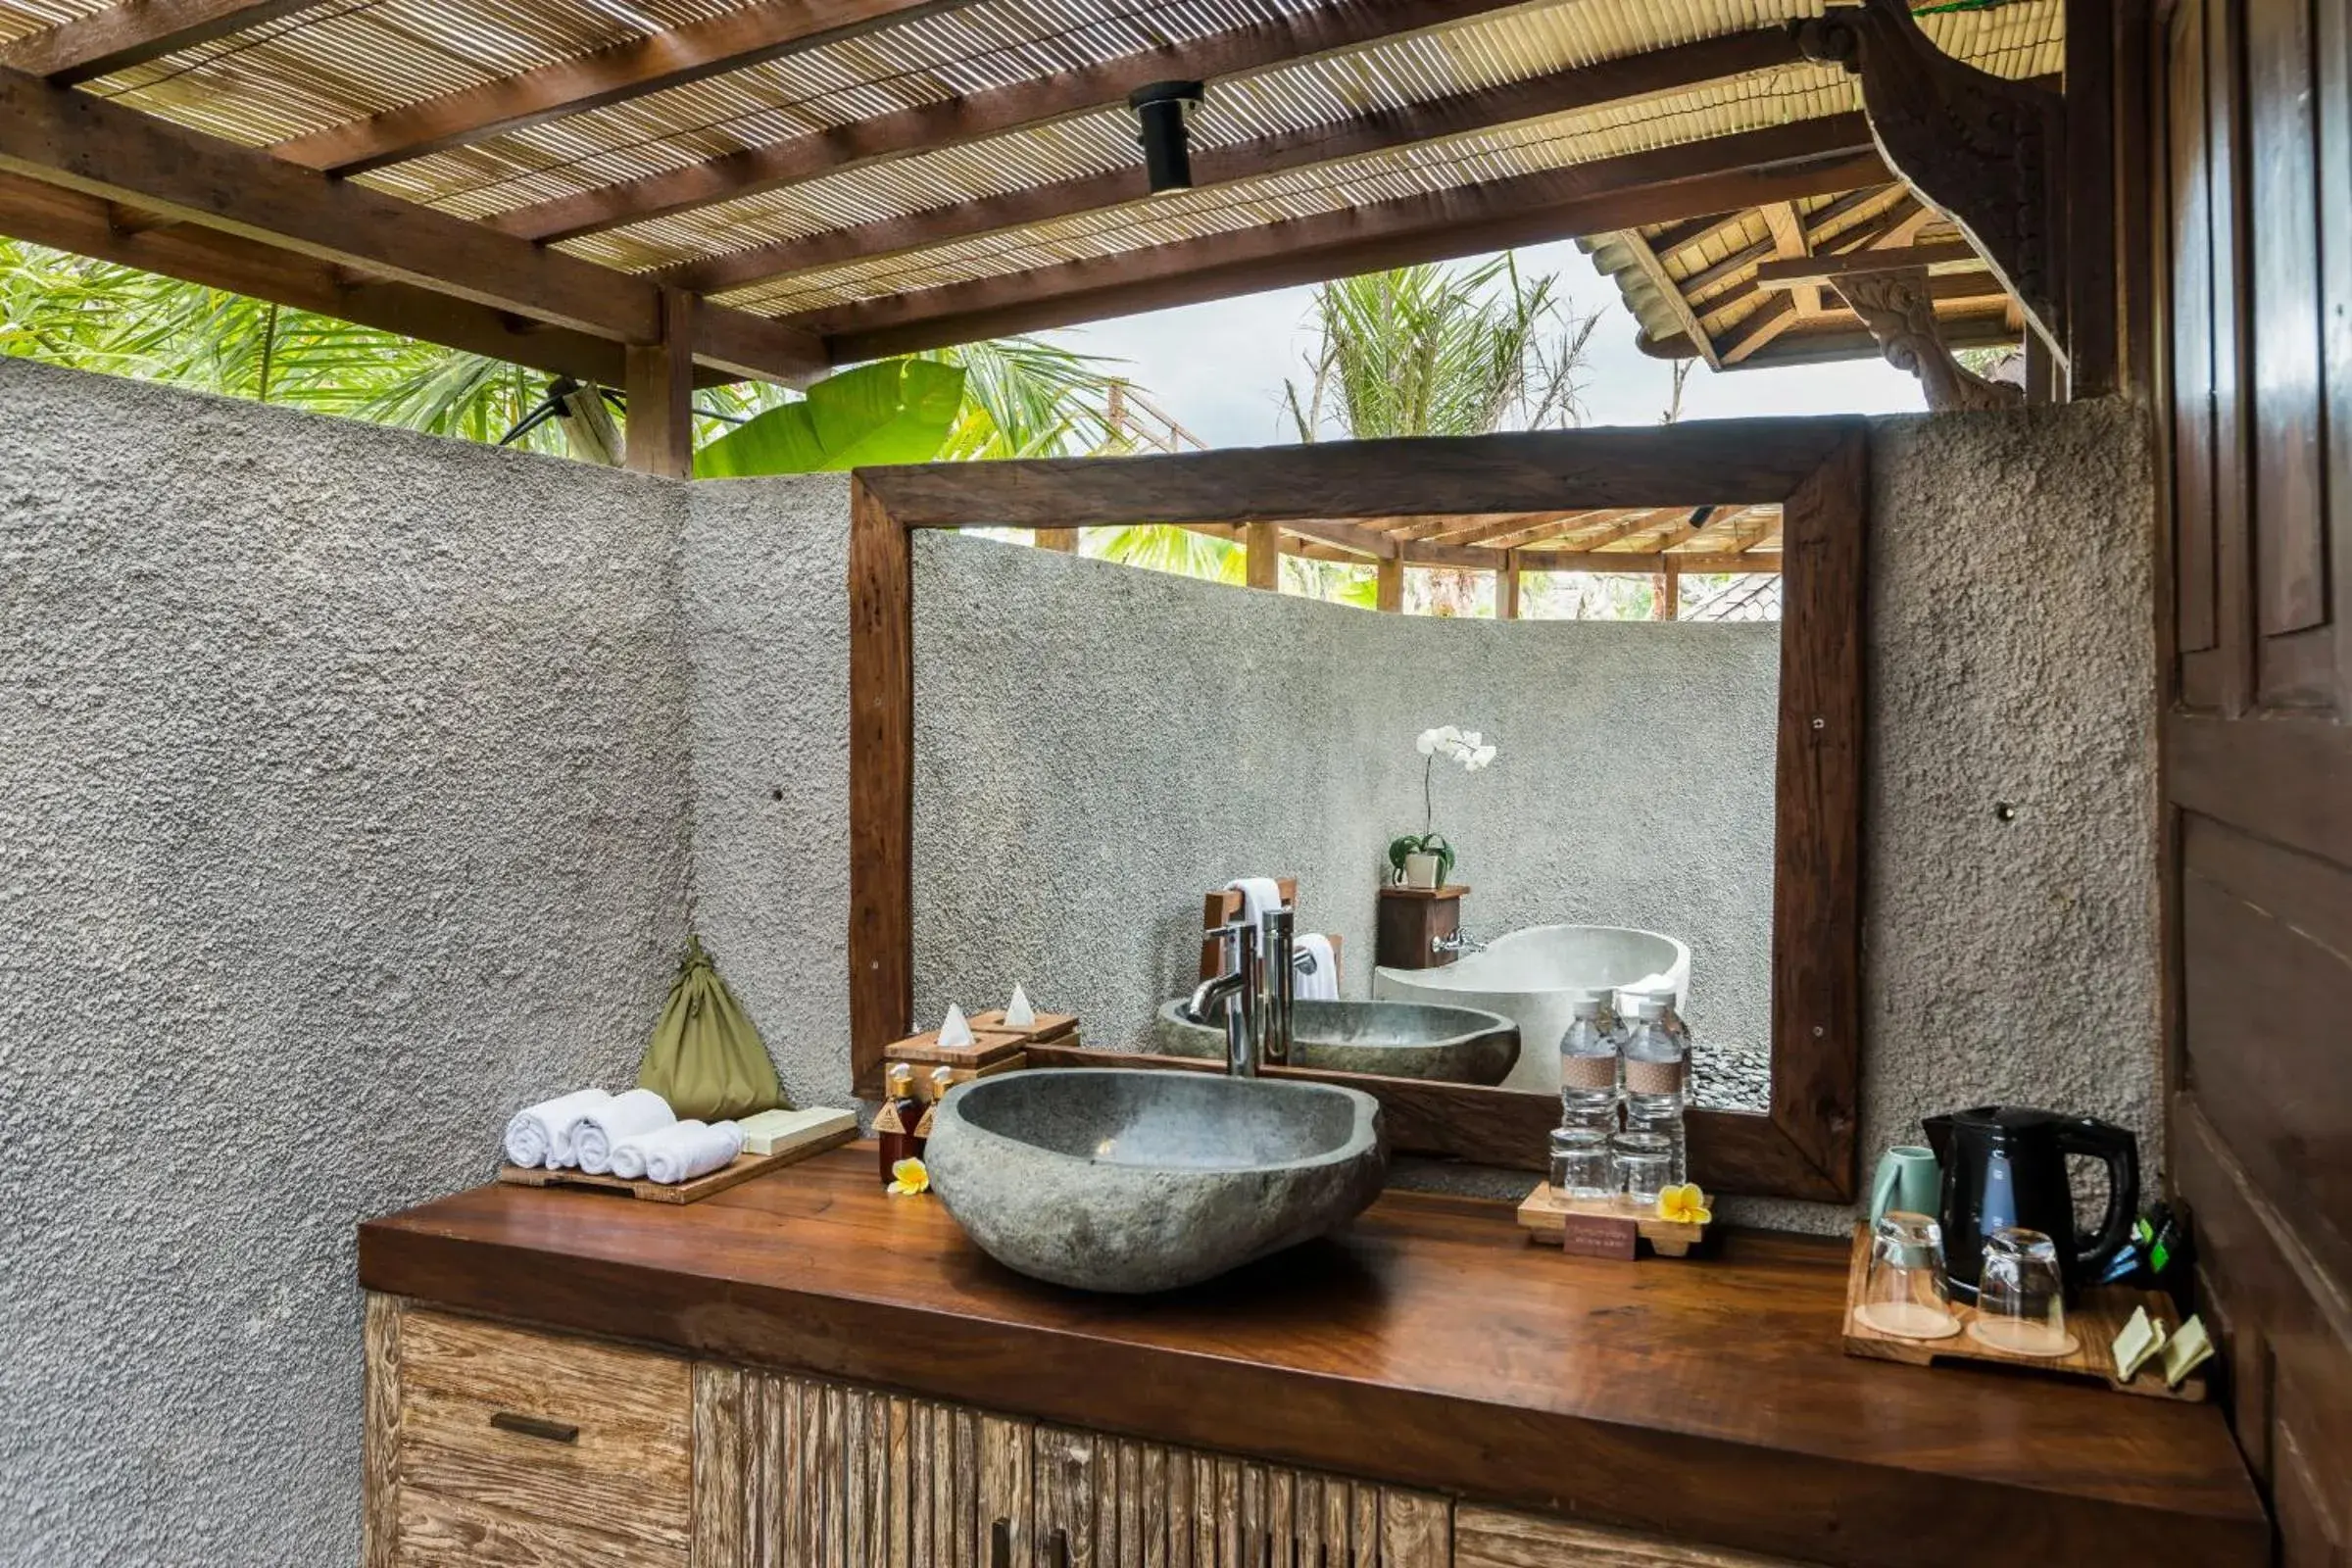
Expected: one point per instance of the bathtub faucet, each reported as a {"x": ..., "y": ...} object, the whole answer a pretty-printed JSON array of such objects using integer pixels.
[
  {"x": 1256, "y": 994},
  {"x": 1459, "y": 942}
]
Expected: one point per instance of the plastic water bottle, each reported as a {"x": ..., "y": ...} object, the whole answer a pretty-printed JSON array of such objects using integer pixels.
[
  {"x": 1588, "y": 1070},
  {"x": 1657, "y": 1071}
]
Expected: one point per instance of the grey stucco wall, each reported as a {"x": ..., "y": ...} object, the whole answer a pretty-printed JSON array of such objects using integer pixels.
[
  {"x": 2012, "y": 662},
  {"x": 342, "y": 808}
]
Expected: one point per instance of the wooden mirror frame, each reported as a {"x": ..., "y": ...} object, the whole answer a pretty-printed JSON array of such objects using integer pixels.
[{"x": 1817, "y": 470}]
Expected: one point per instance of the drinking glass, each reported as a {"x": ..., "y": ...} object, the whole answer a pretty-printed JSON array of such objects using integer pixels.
[
  {"x": 2021, "y": 1295},
  {"x": 1644, "y": 1163},
  {"x": 1904, "y": 1294},
  {"x": 1579, "y": 1163}
]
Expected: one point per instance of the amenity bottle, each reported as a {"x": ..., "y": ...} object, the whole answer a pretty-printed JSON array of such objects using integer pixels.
[
  {"x": 1588, "y": 1069},
  {"x": 1657, "y": 1069},
  {"x": 896, "y": 1124}
]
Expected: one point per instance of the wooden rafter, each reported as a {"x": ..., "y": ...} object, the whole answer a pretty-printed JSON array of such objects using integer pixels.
[
  {"x": 732, "y": 40},
  {"x": 102, "y": 150},
  {"x": 979, "y": 115},
  {"x": 131, "y": 32},
  {"x": 1625, "y": 527},
  {"x": 1689, "y": 231},
  {"x": 1829, "y": 269},
  {"x": 1803, "y": 158},
  {"x": 1669, "y": 294},
  {"x": 1790, "y": 242},
  {"x": 1558, "y": 92}
]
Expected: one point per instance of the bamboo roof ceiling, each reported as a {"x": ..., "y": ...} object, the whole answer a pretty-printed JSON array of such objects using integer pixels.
[{"x": 851, "y": 177}]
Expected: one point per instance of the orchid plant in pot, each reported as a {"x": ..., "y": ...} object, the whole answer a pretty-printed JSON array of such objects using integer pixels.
[{"x": 1425, "y": 859}]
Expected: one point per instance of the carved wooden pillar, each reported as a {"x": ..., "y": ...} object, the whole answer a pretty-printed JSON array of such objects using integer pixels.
[
  {"x": 1900, "y": 312},
  {"x": 1988, "y": 153}
]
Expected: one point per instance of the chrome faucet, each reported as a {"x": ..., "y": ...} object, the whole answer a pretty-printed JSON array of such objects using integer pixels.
[
  {"x": 1256, "y": 983},
  {"x": 1459, "y": 942}
]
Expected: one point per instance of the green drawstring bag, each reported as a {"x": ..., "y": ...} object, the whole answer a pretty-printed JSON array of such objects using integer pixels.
[{"x": 705, "y": 1057}]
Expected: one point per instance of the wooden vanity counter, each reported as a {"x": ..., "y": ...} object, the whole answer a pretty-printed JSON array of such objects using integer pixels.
[{"x": 1431, "y": 1347}]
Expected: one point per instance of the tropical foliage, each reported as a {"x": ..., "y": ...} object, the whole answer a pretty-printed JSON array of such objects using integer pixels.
[{"x": 1015, "y": 398}]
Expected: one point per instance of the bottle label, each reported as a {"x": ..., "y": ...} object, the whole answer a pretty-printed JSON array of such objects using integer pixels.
[
  {"x": 1653, "y": 1077},
  {"x": 887, "y": 1119},
  {"x": 922, "y": 1129},
  {"x": 1587, "y": 1072}
]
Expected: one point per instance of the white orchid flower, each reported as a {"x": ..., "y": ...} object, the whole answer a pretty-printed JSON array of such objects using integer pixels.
[
  {"x": 1473, "y": 740},
  {"x": 1483, "y": 758},
  {"x": 1426, "y": 745}
]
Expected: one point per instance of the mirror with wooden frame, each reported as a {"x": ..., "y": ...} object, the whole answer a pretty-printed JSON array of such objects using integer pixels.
[{"x": 1794, "y": 1136}]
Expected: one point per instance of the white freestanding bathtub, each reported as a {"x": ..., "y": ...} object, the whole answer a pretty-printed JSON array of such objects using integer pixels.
[{"x": 1532, "y": 977}]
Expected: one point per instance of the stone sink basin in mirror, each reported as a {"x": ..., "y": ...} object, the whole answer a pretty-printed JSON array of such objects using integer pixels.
[
  {"x": 1388, "y": 1039},
  {"x": 1111, "y": 1179}
]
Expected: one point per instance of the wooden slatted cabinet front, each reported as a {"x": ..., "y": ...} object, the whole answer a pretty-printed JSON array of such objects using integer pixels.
[{"x": 493, "y": 1446}]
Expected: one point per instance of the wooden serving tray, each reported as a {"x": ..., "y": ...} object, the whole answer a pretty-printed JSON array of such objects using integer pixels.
[
  {"x": 1546, "y": 1216},
  {"x": 744, "y": 1168},
  {"x": 2093, "y": 1321}
]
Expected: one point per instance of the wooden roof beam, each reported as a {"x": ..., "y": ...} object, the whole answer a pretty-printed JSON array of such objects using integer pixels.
[
  {"x": 1807, "y": 157},
  {"x": 1242, "y": 52},
  {"x": 1558, "y": 92},
  {"x": 732, "y": 40},
  {"x": 1649, "y": 563},
  {"x": 1670, "y": 294},
  {"x": 1790, "y": 241},
  {"x": 112, "y": 154},
  {"x": 69, "y": 221},
  {"x": 131, "y": 32},
  {"x": 1353, "y": 537}
]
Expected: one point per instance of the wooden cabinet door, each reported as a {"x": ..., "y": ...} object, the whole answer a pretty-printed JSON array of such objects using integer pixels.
[
  {"x": 1113, "y": 1502},
  {"x": 1497, "y": 1538},
  {"x": 802, "y": 1474}
]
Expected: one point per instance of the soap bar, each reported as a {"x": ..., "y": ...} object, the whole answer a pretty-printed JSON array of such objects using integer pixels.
[{"x": 778, "y": 1132}]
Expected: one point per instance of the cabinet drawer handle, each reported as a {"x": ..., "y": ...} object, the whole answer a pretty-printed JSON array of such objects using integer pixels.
[{"x": 530, "y": 1426}]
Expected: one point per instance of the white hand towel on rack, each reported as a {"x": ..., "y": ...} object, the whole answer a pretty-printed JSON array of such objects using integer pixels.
[
  {"x": 541, "y": 1134},
  {"x": 1319, "y": 981},
  {"x": 640, "y": 1110},
  {"x": 1258, "y": 895},
  {"x": 683, "y": 1150}
]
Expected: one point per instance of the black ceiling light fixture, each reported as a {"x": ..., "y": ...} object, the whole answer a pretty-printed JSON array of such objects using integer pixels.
[{"x": 1163, "y": 111}]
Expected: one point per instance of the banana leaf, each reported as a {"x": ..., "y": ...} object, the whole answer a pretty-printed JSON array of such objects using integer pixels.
[{"x": 895, "y": 411}]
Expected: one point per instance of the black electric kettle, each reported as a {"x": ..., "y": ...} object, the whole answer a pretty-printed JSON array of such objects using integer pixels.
[{"x": 2005, "y": 1165}]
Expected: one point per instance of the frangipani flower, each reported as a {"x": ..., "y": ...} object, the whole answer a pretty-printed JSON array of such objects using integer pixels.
[
  {"x": 1683, "y": 1206},
  {"x": 910, "y": 1177}
]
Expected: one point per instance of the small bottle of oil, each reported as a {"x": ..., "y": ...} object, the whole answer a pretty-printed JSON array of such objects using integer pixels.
[
  {"x": 896, "y": 1124},
  {"x": 943, "y": 1079}
]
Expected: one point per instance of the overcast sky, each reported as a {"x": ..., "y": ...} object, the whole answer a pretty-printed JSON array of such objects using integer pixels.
[{"x": 1218, "y": 368}]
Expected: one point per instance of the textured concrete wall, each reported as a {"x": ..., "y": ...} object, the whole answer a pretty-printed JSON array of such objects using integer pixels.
[
  {"x": 342, "y": 808},
  {"x": 767, "y": 626},
  {"x": 2014, "y": 957}
]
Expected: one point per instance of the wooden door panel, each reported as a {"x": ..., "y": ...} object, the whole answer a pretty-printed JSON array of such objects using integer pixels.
[
  {"x": 2265, "y": 1004},
  {"x": 2191, "y": 332},
  {"x": 2290, "y": 546},
  {"x": 2258, "y": 756}
]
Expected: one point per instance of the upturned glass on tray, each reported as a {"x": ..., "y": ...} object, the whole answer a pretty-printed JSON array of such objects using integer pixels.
[{"x": 1905, "y": 1293}]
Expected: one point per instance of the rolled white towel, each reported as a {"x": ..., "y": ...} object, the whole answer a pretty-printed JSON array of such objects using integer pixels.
[
  {"x": 640, "y": 1110},
  {"x": 542, "y": 1134},
  {"x": 1320, "y": 980},
  {"x": 685, "y": 1149}
]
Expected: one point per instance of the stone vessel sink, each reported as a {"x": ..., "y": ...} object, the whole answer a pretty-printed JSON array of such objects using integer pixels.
[
  {"x": 1392, "y": 1039},
  {"x": 1108, "y": 1179}
]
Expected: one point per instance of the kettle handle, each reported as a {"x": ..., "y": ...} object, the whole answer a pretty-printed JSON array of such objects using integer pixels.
[{"x": 2119, "y": 1148}]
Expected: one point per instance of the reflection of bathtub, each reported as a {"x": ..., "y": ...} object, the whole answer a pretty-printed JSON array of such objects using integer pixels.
[{"x": 1531, "y": 978}]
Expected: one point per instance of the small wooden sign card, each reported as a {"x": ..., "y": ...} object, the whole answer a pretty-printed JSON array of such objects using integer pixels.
[{"x": 1599, "y": 1236}]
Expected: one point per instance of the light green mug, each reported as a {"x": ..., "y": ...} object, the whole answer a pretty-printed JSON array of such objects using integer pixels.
[{"x": 1908, "y": 1179}]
